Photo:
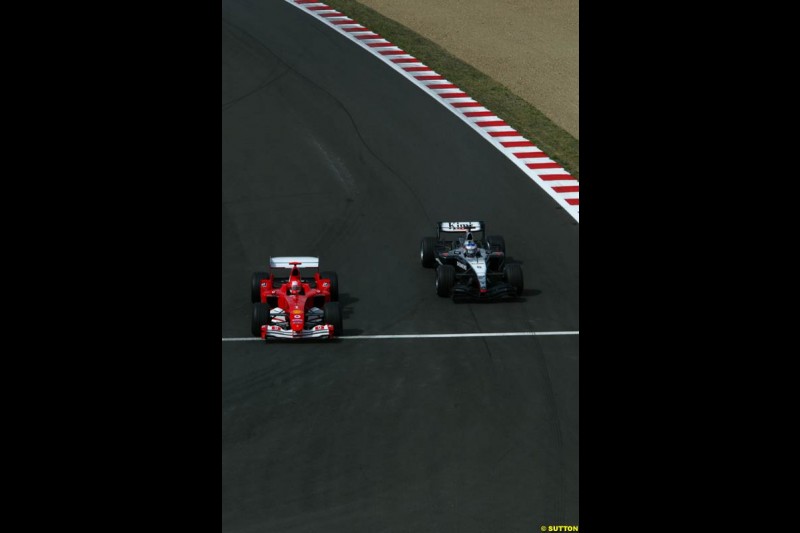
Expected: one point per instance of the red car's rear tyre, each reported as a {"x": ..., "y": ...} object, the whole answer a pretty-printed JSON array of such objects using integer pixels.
[
  {"x": 334, "y": 288},
  {"x": 255, "y": 286}
]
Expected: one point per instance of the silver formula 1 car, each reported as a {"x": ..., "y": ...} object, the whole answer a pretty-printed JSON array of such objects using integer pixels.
[{"x": 470, "y": 265}]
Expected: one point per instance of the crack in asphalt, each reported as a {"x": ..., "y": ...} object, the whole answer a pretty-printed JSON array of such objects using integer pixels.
[{"x": 231, "y": 103}]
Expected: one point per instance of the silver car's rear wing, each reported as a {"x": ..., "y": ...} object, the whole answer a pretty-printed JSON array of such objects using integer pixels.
[{"x": 461, "y": 227}]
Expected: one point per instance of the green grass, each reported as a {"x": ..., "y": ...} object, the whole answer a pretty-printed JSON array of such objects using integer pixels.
[{"x": 519, "y": 114}]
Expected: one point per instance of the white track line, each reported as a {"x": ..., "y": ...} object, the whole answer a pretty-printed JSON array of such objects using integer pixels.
[{"x": 432, "y": 335}]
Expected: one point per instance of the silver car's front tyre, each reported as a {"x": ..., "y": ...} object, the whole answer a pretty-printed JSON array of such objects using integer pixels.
[
  {"x": 445, "y": 279},
  {"x": 513, "y": 275}
]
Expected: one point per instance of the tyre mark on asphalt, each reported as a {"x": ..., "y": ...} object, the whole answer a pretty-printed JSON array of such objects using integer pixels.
[
  {"x": 551, "y": 409},
  {"x": 347, "y": 112},
  {"x": 555, "y": 424}
]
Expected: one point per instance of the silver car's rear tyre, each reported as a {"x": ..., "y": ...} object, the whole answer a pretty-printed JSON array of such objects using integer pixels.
[
  {"x": 427, "y": 252},
  {"x": 496, "y": 243}
]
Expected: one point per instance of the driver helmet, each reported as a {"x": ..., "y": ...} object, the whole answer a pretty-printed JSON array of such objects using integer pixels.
[
  {"x": 294, "y": 288},
  {"x": 471, "y": 248}
]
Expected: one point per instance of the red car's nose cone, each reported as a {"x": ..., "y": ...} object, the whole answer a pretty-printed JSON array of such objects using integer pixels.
[{"x": 297, "y": 325}]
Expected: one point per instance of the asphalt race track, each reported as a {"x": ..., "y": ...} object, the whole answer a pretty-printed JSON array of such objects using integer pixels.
[{"x": 326, "y": 151}]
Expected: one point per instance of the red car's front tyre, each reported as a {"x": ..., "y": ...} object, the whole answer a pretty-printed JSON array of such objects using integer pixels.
[
  {"x": 260, "y": 318},
  {"x": 333, "y": 315}
]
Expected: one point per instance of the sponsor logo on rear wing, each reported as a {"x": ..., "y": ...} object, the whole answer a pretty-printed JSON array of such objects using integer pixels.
[
  {"x": 454, "y": 227},
  {"x": 288, "y": 262}
]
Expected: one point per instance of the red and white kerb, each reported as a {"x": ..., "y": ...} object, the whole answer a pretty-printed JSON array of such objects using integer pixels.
[{"x": 545, "y": 172}]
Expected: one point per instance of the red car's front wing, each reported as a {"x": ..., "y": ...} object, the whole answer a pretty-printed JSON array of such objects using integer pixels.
[{"x": 324, "y": 331}]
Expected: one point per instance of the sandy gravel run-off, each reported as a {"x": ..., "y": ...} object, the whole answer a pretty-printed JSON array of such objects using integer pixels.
[{"x": 530, "y": 46}]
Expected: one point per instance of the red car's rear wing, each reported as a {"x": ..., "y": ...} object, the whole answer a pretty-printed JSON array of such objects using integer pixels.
[{"x": 290, "y": 262}]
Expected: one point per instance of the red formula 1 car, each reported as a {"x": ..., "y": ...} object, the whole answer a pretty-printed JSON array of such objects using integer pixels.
[{"x": 297, "y": 306}]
